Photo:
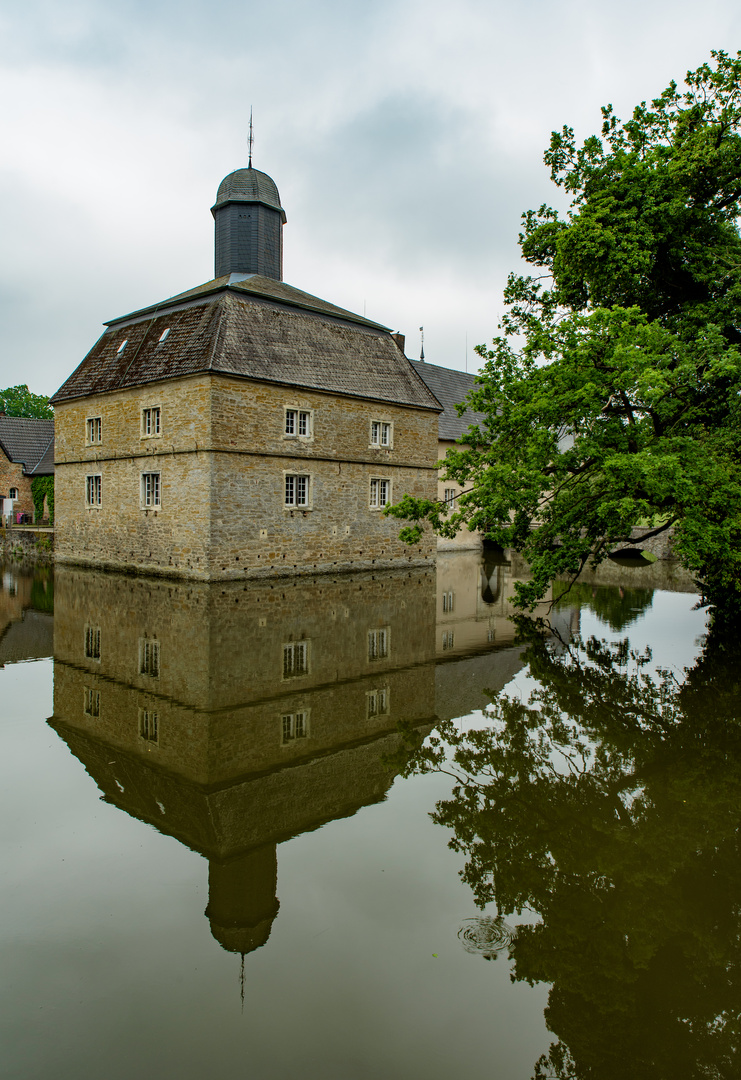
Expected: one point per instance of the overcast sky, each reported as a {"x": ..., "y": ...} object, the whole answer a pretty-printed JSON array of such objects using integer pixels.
[{"x": 405, "y": 136}]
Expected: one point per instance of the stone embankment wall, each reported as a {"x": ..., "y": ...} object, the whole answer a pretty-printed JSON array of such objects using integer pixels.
[{"x": 35, "y": 545}]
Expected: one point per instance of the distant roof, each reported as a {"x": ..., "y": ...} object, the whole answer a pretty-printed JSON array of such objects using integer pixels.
[
  {"x": 31, "y": 638},
  {"x": 249, "y": 185},
  {"x": 254, "y": 328},
  {"x": 45, "y": 466},
  {"x": 450, "y": 388},
  {"x": 30, "y": 442}
]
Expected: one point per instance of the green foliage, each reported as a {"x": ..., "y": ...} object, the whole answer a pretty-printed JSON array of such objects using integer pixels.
[
  {"x": 42, "y": 487},
  {"x": 609, "y": 806},
  {"x": 19, "y": 401},
  {"x": 613, "y": 396}
]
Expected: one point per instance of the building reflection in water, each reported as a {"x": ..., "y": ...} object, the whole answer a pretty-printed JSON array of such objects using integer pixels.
[
  {"x": 235, "y": 716},
  {"x": 26, "y": 619}
]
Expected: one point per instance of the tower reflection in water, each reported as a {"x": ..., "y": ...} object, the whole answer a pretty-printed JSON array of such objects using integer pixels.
[{"x": 236, "y": 716}]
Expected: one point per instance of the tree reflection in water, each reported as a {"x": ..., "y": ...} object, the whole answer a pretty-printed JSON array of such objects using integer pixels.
[{"x": 609, "y": 805}]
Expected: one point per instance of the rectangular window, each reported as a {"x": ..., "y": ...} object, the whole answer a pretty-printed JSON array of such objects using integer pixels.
[
  {"x": 380, "y": 493},
  {"x": 450, "y": 497},
  {"x": 91, "y": 704},
  {"x": 94, "y": 429},
  {"x": 151, "y": 489},
  {"x": 448, "y": 639},
  {"x": 152, "y": 421},
  {"x": 380, "y": 433},
  {"x": 448, "y": 600},
  {"x": 294, "y": 726},
  {"x": 297, "y": 490},
  {"x": 92, "y": 642},
  {"x": 298, "y": 422},
  {"x": 378, "y": 702},
  {"x": 295, "y": 659},
  {"x": 149, "y": 657},
  {"x": 378, "y": 644},
  {"x": 94, "y": 490},
  {"x": 149, "y": 725}
]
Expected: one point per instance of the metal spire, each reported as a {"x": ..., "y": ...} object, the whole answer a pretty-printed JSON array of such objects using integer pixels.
[
  {"x": 422, "y": 351},
  {"x": 251, "y": 140}
]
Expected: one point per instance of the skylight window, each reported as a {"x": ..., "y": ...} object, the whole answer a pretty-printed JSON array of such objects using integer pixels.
[
  {"x": 163, "y": 335},
  {"x": 122, "y": 346}
]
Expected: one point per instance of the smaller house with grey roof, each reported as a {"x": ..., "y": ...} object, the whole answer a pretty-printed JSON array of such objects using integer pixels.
[
  {"x": 243, "y": 427},
  {"x": 451, "y": 388},
  {"x": 26, "y": 451}
]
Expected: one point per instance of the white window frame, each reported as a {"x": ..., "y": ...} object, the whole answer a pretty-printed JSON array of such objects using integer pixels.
[
  {"x": 151, "y": 422},
  {"x": 377, "y": 702},
  {"x": 294, "y": 727},
  {"x": 91, "y": 702},
  {"x": 300, "y": 421},
  {"x": 376, "y": 491},
  {"x": 149, "y": 657},
  {"x": 451, "y": 496},
  {"x": 379, "y": 644},
  {"x": 381, "y": 434},
  {"x": 93, "y": 430},
  {"x": 94, "y": 488},
  {"x": 92, "y": 643},
  {"x": 149, "y": 726},
  {"x": 292, "y": 650},
  {"x": 11, "y": 495},
  {"x": 150, "y": 491},
  {"x": 295, "y": 484}
]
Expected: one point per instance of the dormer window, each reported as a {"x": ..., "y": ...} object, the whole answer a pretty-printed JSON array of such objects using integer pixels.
[
  {"x": 122, "y": 346},
  {"x": 163, "y": 335}
]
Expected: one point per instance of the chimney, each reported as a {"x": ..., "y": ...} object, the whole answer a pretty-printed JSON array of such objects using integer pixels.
[{"x": 399, "y": 339}]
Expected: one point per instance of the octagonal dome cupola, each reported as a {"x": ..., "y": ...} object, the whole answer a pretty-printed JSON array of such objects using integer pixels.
[{"x": 248, "y": 220}]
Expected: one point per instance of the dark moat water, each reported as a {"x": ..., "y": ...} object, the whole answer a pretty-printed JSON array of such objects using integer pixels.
[{"x": 351, "y": 828}]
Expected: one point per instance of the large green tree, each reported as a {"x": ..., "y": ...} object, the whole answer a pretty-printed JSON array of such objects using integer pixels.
[
  {"x": 19, "y": 401},
  {"x": 612, "y": 396}
]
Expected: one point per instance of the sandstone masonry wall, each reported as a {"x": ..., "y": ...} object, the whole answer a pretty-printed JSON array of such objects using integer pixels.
[{"x": 222, "y": 456}]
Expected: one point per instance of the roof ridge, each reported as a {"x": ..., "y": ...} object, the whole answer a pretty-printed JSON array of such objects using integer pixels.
[{"x": 301, "y": 300}]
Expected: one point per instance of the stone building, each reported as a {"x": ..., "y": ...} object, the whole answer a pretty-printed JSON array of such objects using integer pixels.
[
  {"x": 243, "y": 428},
  {"x": 26, "y": 451},
  {"x": 451, "y": 388}
]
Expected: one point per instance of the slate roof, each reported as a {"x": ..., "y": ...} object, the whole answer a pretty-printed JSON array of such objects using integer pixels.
[
  {"x": 32, "y": 638},
  {"x": 249, "y": 185},
  {"x": 29, "y": 441},
  {"x": 450, "y": 388},
  {"x": 252, "y": 285},
  {"x": 254, "y": 328}
]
